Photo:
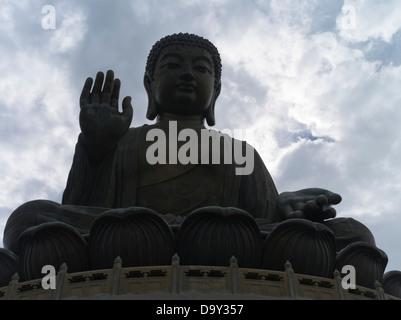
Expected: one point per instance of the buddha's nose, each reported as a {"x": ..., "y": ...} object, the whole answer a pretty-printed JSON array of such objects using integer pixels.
[{"x": 187, "y": 74}]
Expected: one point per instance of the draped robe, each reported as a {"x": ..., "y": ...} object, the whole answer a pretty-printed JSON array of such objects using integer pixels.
[{"x": 116, "y": 183}]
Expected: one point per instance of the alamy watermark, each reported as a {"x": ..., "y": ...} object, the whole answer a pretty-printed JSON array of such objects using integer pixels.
[
  {"x": 49, "y": 20},
  {"x": 49, "y": 280},
  {"x": 208, "y": 147},
  {"x": 348, "y": 20},
  {"x": 349, "y": 279}
]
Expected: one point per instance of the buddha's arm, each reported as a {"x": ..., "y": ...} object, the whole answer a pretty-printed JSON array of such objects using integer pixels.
[
  {"x": 111, "y": 184},
  {"x": 88, "y": 185},
  {"x": 102, "y": 128}
]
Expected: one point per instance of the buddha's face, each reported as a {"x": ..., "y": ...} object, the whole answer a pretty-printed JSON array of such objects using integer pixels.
[{"x": 184, "y": 81}]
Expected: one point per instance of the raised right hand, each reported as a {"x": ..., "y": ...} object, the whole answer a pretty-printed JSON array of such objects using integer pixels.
[{"x": 102, "y": 125}]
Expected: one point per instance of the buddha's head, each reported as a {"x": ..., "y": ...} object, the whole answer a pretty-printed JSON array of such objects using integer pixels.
[{"x": 182, "y": 77}]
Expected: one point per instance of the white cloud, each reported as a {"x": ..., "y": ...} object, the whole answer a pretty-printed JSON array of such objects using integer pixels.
[
  {"x": 71, "y": 31},
  {"x": 38, "y": 126},
  {"x": 370, "y": 19}
]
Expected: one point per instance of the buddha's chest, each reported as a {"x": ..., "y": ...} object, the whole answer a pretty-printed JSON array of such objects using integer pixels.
[{"x": 163, "y": 158}]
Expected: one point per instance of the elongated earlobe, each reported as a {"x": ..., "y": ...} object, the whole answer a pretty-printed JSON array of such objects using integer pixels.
[
  {"x": 210, "y": 117},
  {"x": 152, "y": 111}
]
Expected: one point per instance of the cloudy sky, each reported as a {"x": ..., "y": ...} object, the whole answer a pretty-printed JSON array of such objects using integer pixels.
[{"x": 316, "y": 83}]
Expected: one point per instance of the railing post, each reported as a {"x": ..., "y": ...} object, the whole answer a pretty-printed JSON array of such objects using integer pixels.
[
  {"x": 340, "y": 289},
  {"x": 12, "y": 287},
  {"x": 60, "y": 280},
  {"x": 115, "y": 277},
  {"x": 175, "y": 274},
  {"x": 234, "y": 275},
  {"x": 292, "y": 285},
  {"x": 380, "y": 292}
]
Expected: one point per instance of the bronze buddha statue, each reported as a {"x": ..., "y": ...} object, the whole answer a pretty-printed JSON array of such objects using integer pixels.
[{"x": 118, "y": 203}]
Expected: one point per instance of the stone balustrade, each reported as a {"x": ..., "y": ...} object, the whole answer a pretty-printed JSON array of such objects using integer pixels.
[{"x": 179, "y": 281}]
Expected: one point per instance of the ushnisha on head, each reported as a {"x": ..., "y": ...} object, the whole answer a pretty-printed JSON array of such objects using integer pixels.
[{"x": 183, "y": 77}]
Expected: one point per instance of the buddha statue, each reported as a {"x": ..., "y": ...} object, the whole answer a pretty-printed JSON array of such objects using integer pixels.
[{"x": 145, "y": 193}]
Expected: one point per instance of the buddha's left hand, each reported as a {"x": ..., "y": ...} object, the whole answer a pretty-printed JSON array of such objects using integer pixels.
[{"x": 314, "y": 204}]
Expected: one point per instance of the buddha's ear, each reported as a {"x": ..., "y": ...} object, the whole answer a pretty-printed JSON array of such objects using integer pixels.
[
  {"x": 152, "y": 112},
  {"x": 210, "y": 118}
]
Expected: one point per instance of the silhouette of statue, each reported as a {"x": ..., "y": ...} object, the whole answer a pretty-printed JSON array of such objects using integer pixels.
[{"x": 128, "y": 196}]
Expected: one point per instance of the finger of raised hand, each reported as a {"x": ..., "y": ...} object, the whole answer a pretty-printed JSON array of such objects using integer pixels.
[
  {"x": 97, "y": 88},
  {"x": 128, "y": 111},
  {"x": 108, "y": 87},
  {"x": 86, "y": 91},
  {"x": 116, "y": 93}
]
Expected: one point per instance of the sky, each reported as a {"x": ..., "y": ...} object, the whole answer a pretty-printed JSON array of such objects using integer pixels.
[{"x": 314, "y": 84}]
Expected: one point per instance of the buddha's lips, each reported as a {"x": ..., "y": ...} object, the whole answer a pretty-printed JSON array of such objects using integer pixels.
[{"x": 186, "y": 87}]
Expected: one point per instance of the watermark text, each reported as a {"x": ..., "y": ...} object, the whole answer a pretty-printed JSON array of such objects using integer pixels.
[
  {"x": 49, "y": 280},
  {"x": 206, "y": 147},
  {"x": 49, "y": 20},
  {"x": 348, "y": 21},
  {"x": 349, "y": 280}
]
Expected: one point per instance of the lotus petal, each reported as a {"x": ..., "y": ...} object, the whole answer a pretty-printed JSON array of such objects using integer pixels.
[
  {"x": 212, "y": 235},
  {"x": 140, "y": 236},
  {"x": 309, "y": 246},
  {"x": 391, "y": 283},
  {"x": 51, "y": 243},
  {"x": 368, "y": 260},
  {"x": 8, "y": 266}
]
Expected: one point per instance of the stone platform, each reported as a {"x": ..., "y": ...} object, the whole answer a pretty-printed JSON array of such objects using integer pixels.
[{"x": 178, "y": 282}]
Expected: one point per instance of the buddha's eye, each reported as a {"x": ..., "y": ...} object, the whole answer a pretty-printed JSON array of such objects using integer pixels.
[
  {"x": 170, "y": 65},
  {"x": 202, "y": 69}
]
